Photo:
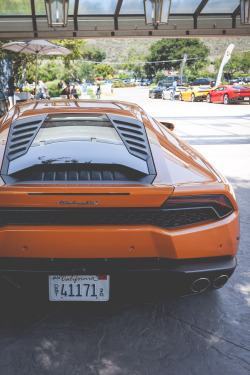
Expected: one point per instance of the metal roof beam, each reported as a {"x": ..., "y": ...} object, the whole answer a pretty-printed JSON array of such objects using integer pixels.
[
  {"x": 75, "y": 15},
  {"x": 33, "y": 14},
  {"x": 118, "y": 8},
  {"x": 235, "y": 13},
  {"x": 117, "y": 12},
  {"x": 200, "y": 8},
  {"x": 198, "y": 11}
]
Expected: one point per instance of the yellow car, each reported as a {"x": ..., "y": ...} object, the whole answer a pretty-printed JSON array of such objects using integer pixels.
[{"x": 194, "y": 93}]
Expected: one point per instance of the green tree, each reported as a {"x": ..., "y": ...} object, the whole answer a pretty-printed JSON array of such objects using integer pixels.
[
  {"x": 87, "y": 71},
  {"x": 245, "y": 62},
  {"x": 233, "y": 65},
  {"x": 75, "y": 45},
  {"x": 104, "y": 70},
  {"x": 174, "y": 49},
  {"x": 133, "y": 62},
  {"x": 50, "y": 71},
  {"x": 94, "y": 54},
  {"x": 159, "y": 76}
]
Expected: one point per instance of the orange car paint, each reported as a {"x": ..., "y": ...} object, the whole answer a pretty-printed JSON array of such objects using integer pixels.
[{"x": 198, "y": 177}]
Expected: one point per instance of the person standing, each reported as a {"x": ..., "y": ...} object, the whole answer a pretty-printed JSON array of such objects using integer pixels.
[
  {"x": 98, "y": 91},
  {"x": 11, "y": 92},
  {"x": 73, "y": 93},
  {"x": 60, "y": 85},
  {"x": 174, "y": 89},
  {"x": 84, "y": 88}
]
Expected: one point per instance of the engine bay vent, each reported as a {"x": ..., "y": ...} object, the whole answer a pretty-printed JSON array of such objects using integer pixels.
[
  {"x": 133, "y": 135},
  {"x": 21, "y": 135}
]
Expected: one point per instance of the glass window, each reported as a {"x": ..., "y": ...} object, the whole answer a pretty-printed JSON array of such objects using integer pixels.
[
  {"x": 40, "y": 7},
  {"x": 220, "y": 6},
  {"x": 63, "y": 128},
  {"x": 15, "y": 7},
  {"x": 97, "y": 7},
  {"x": 177, "y": 6},
  {"x": 240, "y": 87},
  {"x": 184, "y": 6},
  {"x": 132, "y": 7}
]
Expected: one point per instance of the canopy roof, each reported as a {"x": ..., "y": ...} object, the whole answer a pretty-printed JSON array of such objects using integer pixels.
[{"x": 121, "y": 18}]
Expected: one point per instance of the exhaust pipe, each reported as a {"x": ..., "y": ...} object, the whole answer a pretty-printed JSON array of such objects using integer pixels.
[
  {"x": 220, "y": 281},
  {"x": 200, "y": 285}
]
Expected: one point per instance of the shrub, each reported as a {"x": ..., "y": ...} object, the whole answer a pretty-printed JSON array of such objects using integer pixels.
[{"x": 55, "y": 93}]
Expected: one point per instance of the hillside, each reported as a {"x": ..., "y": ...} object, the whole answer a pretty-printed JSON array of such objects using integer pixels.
[{"x": 117, "y": 49}]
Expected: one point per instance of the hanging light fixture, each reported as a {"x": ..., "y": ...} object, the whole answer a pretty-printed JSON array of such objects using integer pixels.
[
  {"x": 156, "y": 11},
  {"x": 57, "y": 12},
  {"x": 245, "y": 12}
]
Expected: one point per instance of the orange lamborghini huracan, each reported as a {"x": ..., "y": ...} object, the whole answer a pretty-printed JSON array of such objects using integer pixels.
[{"x": 93, "y": 189}]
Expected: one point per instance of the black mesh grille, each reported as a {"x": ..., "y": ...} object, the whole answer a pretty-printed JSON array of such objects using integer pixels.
[
  {"x": 81, "y": 173},
  {"x": 102, "y": 216}
]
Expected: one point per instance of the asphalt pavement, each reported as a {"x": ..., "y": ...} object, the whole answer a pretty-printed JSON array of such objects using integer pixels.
[{"x": 140, "y": 333}]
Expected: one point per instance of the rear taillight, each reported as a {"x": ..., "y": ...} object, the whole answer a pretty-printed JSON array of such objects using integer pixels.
[{"x": 220, "y": 203}]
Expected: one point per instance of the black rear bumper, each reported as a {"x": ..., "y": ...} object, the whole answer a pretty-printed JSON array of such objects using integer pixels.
[
  {"x": 116, "y": 265},
  {"x": 148, "y": 276}
]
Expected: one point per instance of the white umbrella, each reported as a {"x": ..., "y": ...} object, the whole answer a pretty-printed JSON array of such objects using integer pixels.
[{"x": 37, "y": 47}]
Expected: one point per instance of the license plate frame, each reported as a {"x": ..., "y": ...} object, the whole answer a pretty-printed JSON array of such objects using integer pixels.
[{"x": 82, "y": 288}]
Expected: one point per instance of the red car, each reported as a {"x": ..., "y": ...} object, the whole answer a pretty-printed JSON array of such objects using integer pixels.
[{"x": 229, "y": 94}]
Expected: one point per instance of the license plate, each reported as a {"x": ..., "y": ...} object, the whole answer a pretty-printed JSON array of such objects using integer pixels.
[
  {"x": 79, "y": 288},
  {"x": 246, "y": 98}
]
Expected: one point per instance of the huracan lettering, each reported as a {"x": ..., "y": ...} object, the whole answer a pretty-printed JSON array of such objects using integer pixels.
[{"x": 80, "y": 203}]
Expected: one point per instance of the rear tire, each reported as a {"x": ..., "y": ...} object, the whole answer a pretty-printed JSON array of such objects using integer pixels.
[
  {"x": 192, "y": 97},
  {"x": 226, "y": 99},
  {"x": 208, "y": 98}
]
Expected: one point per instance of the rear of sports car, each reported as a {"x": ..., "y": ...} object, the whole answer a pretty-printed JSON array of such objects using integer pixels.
[
  {"x": 239, "y": 93},
  {"x": 99, "y": 191},
  {"x": 201, "y": 92}
]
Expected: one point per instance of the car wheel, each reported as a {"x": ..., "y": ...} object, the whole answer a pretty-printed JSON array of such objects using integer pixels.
[
  {"x": 192, "y": 97},
  {"x": 226, "y": 99},
  {"x": 180, "y": 97},
  {"x": 208, "y": 98}
]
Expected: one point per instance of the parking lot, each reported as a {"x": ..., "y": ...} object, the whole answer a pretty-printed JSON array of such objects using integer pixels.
[{"x": 142, "y": 333}]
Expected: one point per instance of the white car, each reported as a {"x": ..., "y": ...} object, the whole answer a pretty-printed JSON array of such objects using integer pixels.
[{"x": 168, "y": 93}]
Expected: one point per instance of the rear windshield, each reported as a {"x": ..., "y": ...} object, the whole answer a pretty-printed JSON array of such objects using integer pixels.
[
  {"x": 240, "y": 87},
  {"x": 59, "y": 128}
]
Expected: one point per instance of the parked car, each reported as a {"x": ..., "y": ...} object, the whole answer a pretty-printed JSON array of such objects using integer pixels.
[
  {"x": 195, "y": 93},
  {"x": 168, "y": 93},
  {"x": 90, "y": 190},
  {"x": 203, "y": 81},
  {"x": 145, "y": 82},
  {"x": 228, "y": 94},
  {"x": 246, "y": 80},
  {"x": 156, "y": 92},
  {"x": 168, "y": 81}
]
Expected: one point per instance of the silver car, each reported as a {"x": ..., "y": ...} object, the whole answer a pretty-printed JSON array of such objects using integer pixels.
[{"x": 168, "y": 93}]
